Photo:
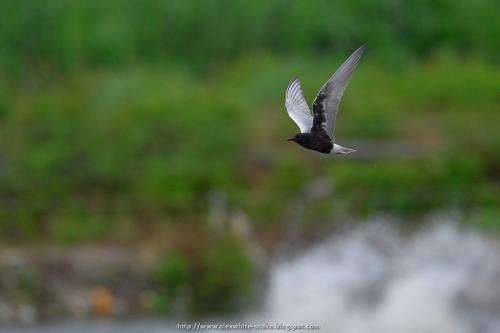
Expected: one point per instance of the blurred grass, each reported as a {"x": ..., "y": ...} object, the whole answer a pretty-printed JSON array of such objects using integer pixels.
[
  {"x": 221, "y": 271},
  {"x": 65, "y": 36},
  {"x": 151, "y": 142}
]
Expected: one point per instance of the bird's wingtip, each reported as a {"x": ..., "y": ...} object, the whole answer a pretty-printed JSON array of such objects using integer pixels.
[{"x": 294, "y": 80}]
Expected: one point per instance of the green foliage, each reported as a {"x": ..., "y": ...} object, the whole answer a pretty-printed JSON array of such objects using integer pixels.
[
  {"x": 226, "y": 279},
  {"x": 128, "y": 110},
  {"x": 487, "y": 219},
  {"x": 221, "y": 272},
  {"x": 152, "y": 142},
  {"x": 79, "y": 225},
  {"x": 414, "y": 186},
  {"x": 174, "y": 272},
  {"x": 62, "y": 35},
  {"x": 172, "y": 275}
]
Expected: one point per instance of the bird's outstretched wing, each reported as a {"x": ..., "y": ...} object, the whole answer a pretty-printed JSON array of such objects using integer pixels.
[
  {"x": 326, "y": 103},
  {"x": 297, "y": 108}
]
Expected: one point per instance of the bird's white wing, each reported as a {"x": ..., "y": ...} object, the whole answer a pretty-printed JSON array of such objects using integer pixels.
[
  {"x": 326, "y": 104},
  {"x": 297, "y": 108}
]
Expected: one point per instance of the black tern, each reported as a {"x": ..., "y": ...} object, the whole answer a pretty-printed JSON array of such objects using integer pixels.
[{"x": 316, "y": 128}]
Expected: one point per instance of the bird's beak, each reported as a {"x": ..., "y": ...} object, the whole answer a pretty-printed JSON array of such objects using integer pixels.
[{"x": 291, "y": 139}]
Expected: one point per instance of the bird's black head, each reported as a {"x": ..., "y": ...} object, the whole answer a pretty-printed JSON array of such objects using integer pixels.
[{"x": 300, "y": 138}]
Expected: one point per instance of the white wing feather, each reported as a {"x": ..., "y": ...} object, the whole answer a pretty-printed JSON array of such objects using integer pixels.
[{"x": 297, "y": 108}]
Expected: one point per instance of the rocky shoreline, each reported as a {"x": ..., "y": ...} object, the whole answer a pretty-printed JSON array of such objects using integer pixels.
[{"x": 38, "y": 284}]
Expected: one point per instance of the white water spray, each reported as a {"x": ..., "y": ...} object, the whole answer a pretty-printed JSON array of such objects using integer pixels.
[{"x": 373, "y": 279}]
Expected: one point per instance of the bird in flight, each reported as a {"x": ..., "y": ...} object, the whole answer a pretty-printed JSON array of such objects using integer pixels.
[{"x": 316, "y": 128}]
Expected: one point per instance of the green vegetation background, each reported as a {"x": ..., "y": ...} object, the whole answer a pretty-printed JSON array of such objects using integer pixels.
[
  {"x": 119, "y": 112},
  {"x": 118, "y": 119}
]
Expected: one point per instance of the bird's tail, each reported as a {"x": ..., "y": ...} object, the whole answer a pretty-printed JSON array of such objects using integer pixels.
[{"x": 337, "y": 149}]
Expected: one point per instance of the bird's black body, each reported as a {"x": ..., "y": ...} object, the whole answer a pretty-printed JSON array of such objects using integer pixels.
[
  {"x": 317, "y": 140},
  {"x": 314, "y": 141}
]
